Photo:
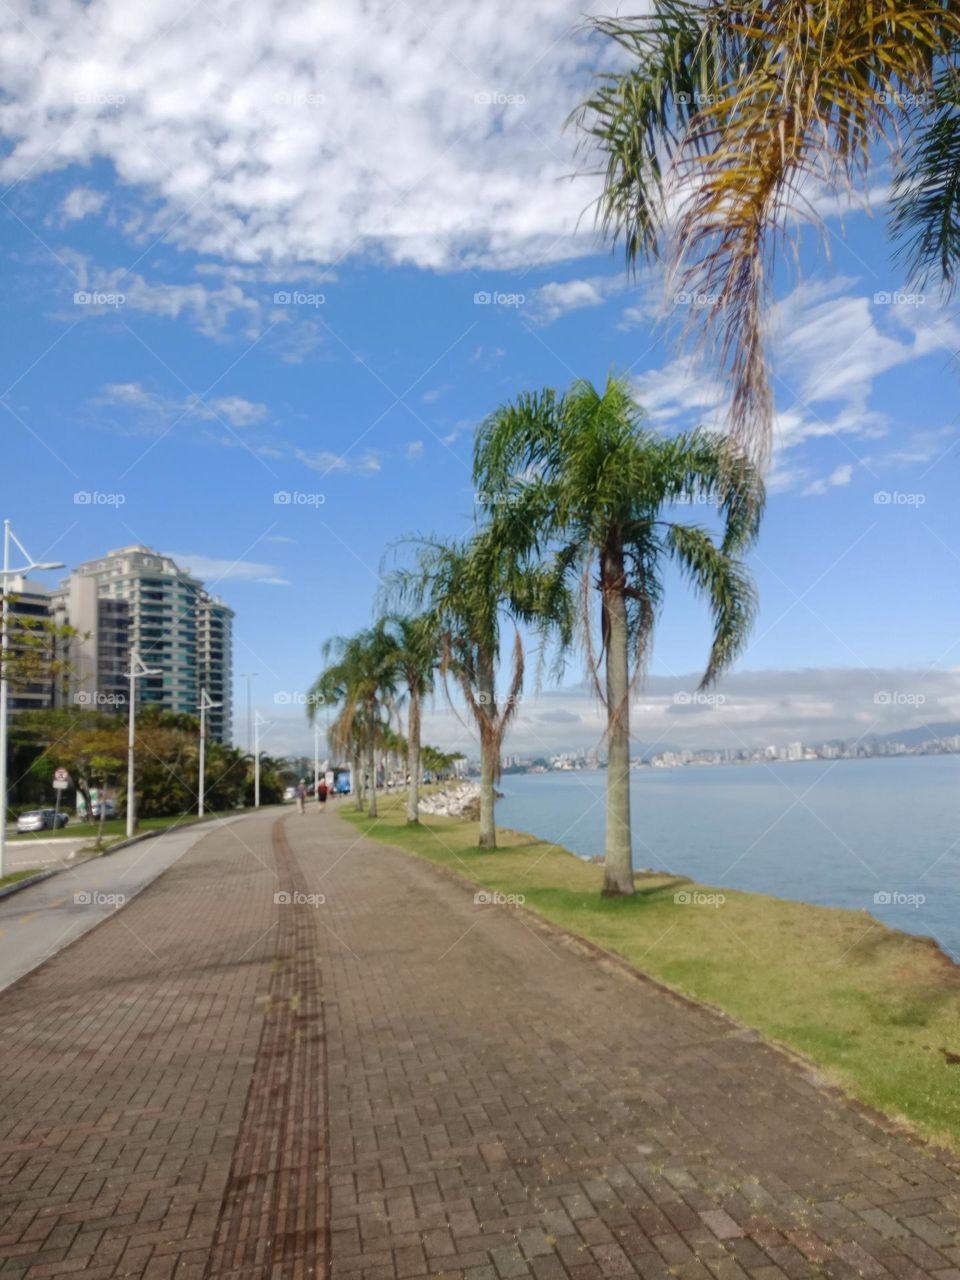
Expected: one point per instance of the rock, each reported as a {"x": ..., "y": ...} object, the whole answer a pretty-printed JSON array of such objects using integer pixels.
[{"x": 462, "y": 801}]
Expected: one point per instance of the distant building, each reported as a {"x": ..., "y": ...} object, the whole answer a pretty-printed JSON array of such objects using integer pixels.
[
  {"x": 135, "y": 598},
  {"x": 29, "y": 605}
]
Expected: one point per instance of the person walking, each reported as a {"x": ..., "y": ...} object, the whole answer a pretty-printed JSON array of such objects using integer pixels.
[
  {"x": 322, "y": 794},
  {"x": 301, "y": 796}
]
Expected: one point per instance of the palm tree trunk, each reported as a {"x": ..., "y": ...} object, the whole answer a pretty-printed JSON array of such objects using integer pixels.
[
  {"x": 618, "y": 871},
  {"x": 413, "y": 759},
  {"x": 489, "y": 750},
  {"x": 356, "y": 779},
  {"x": 372, "y": 768}
]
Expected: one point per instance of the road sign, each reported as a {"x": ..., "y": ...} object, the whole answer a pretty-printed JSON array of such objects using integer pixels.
[{"x": 61, "y": 780}]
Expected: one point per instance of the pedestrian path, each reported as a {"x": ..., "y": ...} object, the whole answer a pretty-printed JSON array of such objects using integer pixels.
[{"x": 309, "y": 1054}]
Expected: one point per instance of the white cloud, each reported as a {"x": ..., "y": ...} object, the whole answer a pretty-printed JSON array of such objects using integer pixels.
[
  {"x": 211, "y": 569},
  {"x": 837, "y": 479},
  {"x": 155, "y": 411},
  {"x": 81, "y": 202},
  {"x": 428, "y": 134},
  {"x": 325, "y": 461},
  {"x": 558, "y": 298},
  {"x": 237, "y": 411},
  {"x": 414, "y": 449}
]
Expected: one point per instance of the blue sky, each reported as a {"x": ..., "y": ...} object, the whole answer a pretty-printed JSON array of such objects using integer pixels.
[{"x": 232, "y": 277}]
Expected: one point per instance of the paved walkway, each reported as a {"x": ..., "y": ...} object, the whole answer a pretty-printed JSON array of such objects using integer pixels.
[{"x": 393, "y": 1082}]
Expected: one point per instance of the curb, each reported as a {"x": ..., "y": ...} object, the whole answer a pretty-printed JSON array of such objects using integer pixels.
[{"x": 17, "y": 885}]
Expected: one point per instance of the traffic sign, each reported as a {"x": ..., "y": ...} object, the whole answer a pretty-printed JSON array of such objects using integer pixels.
[{"x": 61, "y": 780}]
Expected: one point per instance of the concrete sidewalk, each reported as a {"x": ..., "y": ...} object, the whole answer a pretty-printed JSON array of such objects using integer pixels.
[
  {"x": 307, "y": 1054},
  {"x": 42, "y": 919}
]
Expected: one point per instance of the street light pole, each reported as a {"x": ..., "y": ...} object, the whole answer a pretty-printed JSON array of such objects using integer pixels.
[
  {"x": 316, "y": 758},
  {"x": 137, "y": 669},
  {"x": 258, "y": 720},
  {"x": 248, "y": 676},
  {"x": 9, "y": 537},
  {"x": 205, "y": 706}
]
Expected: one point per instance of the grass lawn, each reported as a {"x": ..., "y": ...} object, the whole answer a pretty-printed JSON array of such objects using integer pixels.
[
  {"x": 876, "y": 1010},
  {"x": 14, "y": 876}
]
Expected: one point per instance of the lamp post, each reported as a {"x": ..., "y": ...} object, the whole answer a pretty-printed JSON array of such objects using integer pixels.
[
  {"x": 258, "y": 720},
  {"x": 137, "y": 670},
  {"x": 248, "y": 676},
  {"x": 316, "y": 759},
  {"x": 10, "y": 537},
  {"x": 205, "y": 706}
]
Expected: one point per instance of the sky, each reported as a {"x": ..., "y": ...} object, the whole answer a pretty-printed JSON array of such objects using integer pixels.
[{"x": 266, "y": 267}]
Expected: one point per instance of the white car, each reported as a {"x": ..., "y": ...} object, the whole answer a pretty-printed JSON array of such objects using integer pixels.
[{"x": 289, "y": 793}]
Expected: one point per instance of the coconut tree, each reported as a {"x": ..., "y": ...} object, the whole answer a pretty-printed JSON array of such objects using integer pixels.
[
  {"x": 582, "y": 478},
  {"x": 417, "y": 656},
  {"x": 471, "y": 588},
  {"x": 363, "y": 673},
  {"x": 728, "y": 119}
]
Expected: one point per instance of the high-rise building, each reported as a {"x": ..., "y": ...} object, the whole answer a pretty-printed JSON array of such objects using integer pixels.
[
  {"x": 30, "y": 690},
  {"x": 133, "y": 598}
]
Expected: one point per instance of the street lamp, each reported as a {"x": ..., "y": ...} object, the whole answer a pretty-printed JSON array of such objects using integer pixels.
[
  {"x": 258, "y": 720},
  {"x": 316, "y": 758},
  {"x": 10, "y": 537},
  {"x": 137, "y": 670},
  {"x": 205, "y": 706},
  {"x": 248, "y": 676}
]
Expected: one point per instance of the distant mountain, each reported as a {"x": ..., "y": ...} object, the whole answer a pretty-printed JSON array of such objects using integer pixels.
[{"x": 923, "y": 733}]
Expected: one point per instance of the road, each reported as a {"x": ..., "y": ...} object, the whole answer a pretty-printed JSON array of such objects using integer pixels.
[{"x": 41, "y": 920}]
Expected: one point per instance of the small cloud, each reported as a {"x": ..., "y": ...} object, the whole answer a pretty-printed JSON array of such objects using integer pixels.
[
  {"x": 279, "y": 537},
  {"x": 81, "y": 202},
  {"x": 837, "y": 478},
  {"x": 435, "y": 393},
  {"x": 237, "y": 411},
  {"x": 212, "y": 569},
  {"x": 324, "y": 461},
  {"x": 414, "y": 449},
  {"x": 561, "y": 297}
]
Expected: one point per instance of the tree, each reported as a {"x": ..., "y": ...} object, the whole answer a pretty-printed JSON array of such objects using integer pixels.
[
  {"x": 417, "y": 656},
  {"x": 363, "y": 673},
  {"x": 469, "y": 588},
  {"x": 581, "y": 478},
  {"x": 731, "y": 115}
]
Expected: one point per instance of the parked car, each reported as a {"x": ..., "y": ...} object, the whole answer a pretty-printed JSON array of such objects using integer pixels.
[
  {"x": 95, "y": 809},
  {"x": 42, "y": 820},
  {"x": 289, "y": 793}
]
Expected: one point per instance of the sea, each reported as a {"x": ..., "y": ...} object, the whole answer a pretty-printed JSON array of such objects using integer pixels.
[{"x": 880, "y": 834}]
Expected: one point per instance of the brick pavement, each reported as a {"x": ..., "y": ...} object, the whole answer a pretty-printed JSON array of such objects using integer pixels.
[{"x": 397, "y": 1083}]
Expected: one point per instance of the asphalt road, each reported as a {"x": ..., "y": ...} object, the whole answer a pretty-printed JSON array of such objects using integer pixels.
[{"x": 42, "y": 919}]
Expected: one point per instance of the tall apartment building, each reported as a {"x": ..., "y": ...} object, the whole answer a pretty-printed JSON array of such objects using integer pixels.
[
  {"x": 30, "y": 604},
  {"x": 135, "y": 598}
]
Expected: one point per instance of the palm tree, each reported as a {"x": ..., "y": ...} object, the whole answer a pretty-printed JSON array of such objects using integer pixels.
[
  {"x": 580, "y": 475},
  {"x": 417, "y": 655},
  {"x": 363, "y": 671},
  {"x": 732, "y": 114},
  {"x": 469, "y": 588}
]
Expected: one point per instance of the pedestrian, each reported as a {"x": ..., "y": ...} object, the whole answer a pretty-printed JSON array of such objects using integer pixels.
[
  {"x": 301, "y": 796},
  {"x": 322, "y": 793}
]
